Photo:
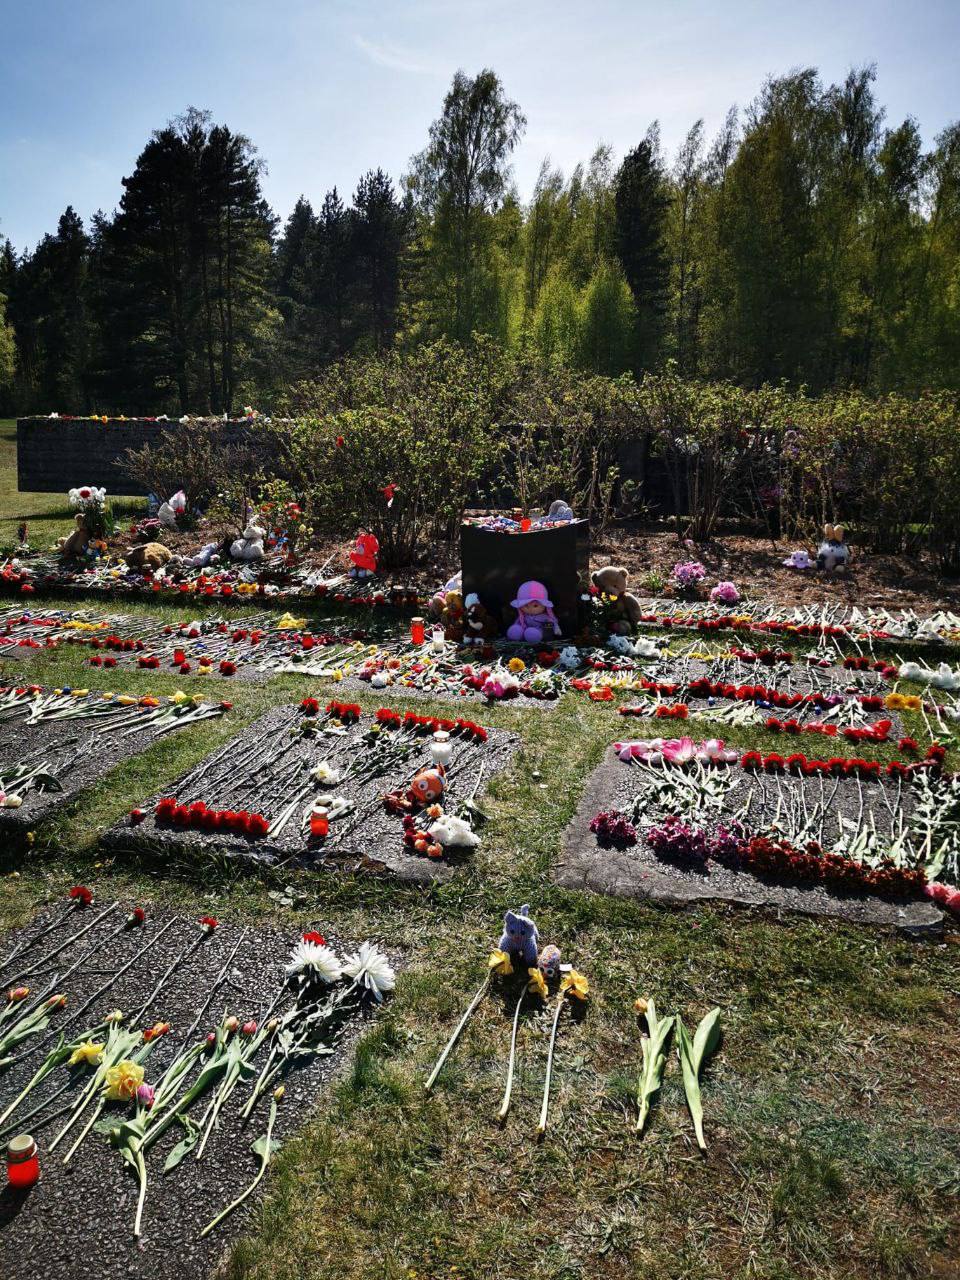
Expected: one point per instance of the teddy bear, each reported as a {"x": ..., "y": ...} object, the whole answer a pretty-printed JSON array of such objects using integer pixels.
[
  {"x": 439, "y": 597},
  {"x": 479, "y": 625},
  {"x": 452, "y": 616},
  {"x": 149, "y": 555},
  {"x": 535, "y": 616},
  {"x": 75, "y": 544},
  {"x": 520, "y": 939},
  {"x": 613, "y": 582},
  {"x": 833, "y": 552},
  {"x": 249, "y": 546}
]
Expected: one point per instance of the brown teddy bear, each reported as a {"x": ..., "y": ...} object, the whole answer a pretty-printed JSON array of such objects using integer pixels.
[
  {"x": 452, "y": 616},
  {"x": 151, "y": 555},
  {"x": 76, "y": 543},
  {"x": 479, "y": 625},
  {"x": 613, "y": 582}
]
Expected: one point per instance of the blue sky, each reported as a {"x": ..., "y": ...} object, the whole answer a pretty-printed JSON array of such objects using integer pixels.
[{"x": 331, "y": 88}]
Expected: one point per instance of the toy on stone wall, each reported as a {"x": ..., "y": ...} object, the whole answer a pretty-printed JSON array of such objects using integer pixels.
[
  {"x": 249, "y": 546},
  {"x": 149, "y": 555},
  {"x": 535, "y": 616},
  {"x": 452, "y": 616},
  {"x": 168, "y": 512},
  {"x": 364, "y": 555},
  {"x": 558, "y": 513},
  {"x": 74, "y": 545},
  {"x": 613, "y": 582},
  {"x": 520, "y": 938},
  {"x": 479, "y": 624},
  {"x": 833, "y": 553}
]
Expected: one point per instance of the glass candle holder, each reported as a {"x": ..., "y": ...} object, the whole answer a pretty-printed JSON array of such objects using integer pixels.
[
  {"x": 320, "y": 823},
  {"x": 525, "y": 524},
  {"x": 441, "y": 748},
  {"x": 418, "y": 631},
  {"x": 23, "y": 1163}
]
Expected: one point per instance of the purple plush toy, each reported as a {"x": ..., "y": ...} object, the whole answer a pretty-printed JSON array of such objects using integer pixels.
[
  {"x": 534, "y": 614},
  {"x": 520, "y": 938}
]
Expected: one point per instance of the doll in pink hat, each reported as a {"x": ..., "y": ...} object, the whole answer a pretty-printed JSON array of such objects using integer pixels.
[{"x": 535, "y": 614}]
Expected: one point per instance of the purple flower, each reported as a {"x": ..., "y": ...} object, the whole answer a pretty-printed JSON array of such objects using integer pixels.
[
  {"x": 145, "y": 1095},
  {"x": 725, "y": 593}
]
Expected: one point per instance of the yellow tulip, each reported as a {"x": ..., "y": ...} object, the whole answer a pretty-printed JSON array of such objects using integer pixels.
[
  {"x": 498, "y": 962},
  {"x": 576, "y": 985},
  {"x": 88, "y": 1052},
  {"x": 124, "y": 1080}
]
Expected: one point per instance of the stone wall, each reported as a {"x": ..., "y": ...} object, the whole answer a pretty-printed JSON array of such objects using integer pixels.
[{"x": 57, "y": 454}]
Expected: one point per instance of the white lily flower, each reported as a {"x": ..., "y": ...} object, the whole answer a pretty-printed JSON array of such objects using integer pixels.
[
  {"x": 316, "y": 960},
  {"x": 372, "y": 969}
]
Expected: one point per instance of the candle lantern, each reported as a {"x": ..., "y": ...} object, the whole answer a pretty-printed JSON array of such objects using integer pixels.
[
  {"x": 23, "y": 1162},
  {"x": 417, "y": 631},
  {"x": 320, "y": 822},
  {"x": 438, "y": 641},
  {"x": 441, "y": 748}
]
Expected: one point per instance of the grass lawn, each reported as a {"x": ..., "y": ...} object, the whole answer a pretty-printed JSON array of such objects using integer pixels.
[
  {"x": 48, "y": 515},
  {"x": 831, "y": 1110}
]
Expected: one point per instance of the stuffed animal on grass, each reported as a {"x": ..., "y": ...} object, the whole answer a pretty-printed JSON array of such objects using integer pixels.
[
  {"x": 439, "y": 597},
  {"x": 75, "y": 544},
  {"x": 479, "y": 624},
  {"x": 833, "y": 552},
  {"x": 535, "y": 616},
  {"x": 249, "y": 546},
  {"x": 520, "y": 939},
  {"x": 613, "y": 582},
  {"x": 150, "y": 555}
]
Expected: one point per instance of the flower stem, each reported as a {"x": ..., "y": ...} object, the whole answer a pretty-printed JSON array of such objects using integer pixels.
[
  {"x": 505, "y": 1105},
  {"x": 471, "y": 1009},
  {"x": 264, "y": 1161},
  {"x": 542, "y": 1126}
]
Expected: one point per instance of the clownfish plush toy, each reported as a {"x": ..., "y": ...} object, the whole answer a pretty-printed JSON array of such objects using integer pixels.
[{"x": 428, "y": 785}]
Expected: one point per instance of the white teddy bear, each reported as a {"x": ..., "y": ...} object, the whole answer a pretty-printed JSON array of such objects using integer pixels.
[{"x": 250, "y": 545}]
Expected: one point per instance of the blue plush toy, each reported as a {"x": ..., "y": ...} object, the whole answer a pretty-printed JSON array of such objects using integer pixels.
[{"x": 520, "y": 938}]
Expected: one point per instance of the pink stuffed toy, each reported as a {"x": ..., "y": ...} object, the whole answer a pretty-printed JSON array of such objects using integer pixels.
[{"x": 534, "y": 614}]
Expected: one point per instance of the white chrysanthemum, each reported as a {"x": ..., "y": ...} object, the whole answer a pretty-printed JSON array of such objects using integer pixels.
[
  {"x": 315, "y": 961},
  {"x": 371, "y": 968}
]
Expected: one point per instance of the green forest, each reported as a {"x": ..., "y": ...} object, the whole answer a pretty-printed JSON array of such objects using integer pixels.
[{"x": 812, "y": 241}]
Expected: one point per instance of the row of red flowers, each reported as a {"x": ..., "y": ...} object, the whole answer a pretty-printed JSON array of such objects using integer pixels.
[
  {"x": 200, "y": 818},
  {"x": 838, "y": 766},
  {"x": 878, "y": 732}
]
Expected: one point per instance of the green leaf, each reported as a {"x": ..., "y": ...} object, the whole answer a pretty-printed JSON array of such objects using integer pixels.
[
  {"x": 185, "y": 1145},
  {"x": 263, "y": 1149},
  {"x": 706, "y": 1038}
]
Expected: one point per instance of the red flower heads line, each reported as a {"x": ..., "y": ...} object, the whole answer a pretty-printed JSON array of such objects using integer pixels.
[{"x": 198, "y": 817}]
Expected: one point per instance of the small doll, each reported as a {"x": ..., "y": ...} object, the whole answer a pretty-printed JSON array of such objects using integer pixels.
[
  {"x": 364, "y": 555},
  {"x": 833, "y": 552},
  {"x": 428, "y": 786},
  {"x": 535, "y": 614},
  {"x": 520, "y": 938}
]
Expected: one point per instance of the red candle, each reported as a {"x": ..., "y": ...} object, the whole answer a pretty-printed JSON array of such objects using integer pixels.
[
  {"x": 417, "y": 631},
  {"x": 319, "y": 824},
  {"x": 23, "y": 1164},
  {"x": 525, "y": 524}
]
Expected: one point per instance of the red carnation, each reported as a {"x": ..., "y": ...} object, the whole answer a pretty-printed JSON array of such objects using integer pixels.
[
  {"x": 81, "y": 895},
  {"x": 257, "y": 825},
  {"x": 165, "y": 808},
  {"x": 208, "y": 924},
  {"x": 316, "y": 938}
]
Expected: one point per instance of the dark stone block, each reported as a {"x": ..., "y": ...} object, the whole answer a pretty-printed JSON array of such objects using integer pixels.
[{"x": 496, "y": 564}]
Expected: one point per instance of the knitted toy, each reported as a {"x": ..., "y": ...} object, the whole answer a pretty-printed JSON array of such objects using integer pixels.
[
  {"x": 549, "y": 961},
  {"x": 559, "y": 512},
  {"x": 249, "y": 546},
  {"x": 150, "y": 555},
  {"x": 833, "y": 552},
  {"x": 479, "y": 625},
  {"x": 534, "y": 614},
  {"x": 613, "y": 582},
  {"x": 364, "y": 555},
  {"x": 520, "y": 938},
  {"x": 75, "y": 544}
]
